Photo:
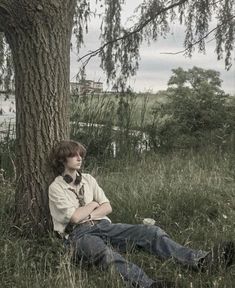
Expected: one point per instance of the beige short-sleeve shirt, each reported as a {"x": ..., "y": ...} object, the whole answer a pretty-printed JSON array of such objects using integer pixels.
[{"x": 63, "y": 201}]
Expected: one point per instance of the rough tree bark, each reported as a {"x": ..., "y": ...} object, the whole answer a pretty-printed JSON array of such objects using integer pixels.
[{"x": 39, "y": 34}]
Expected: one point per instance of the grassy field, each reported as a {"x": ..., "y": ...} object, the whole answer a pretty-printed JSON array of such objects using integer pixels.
[{"x": 190, "y": 195}]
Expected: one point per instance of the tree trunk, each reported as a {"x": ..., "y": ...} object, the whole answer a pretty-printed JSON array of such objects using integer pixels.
[{"x": 40, "y": 44}]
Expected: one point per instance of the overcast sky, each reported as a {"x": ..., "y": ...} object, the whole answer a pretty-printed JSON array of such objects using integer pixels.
[{"x": 155, "y": 68}]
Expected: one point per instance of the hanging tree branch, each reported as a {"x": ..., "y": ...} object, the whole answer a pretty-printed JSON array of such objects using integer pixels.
[
  {"x": 196, "y": 42},
  {"x": 139, "y": 28},
  {"x": 154, "y": 21}
]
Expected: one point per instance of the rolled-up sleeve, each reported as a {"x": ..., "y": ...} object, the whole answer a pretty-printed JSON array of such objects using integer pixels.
[
  {"x": 61, "y": 207},
  {"x": 98, "y": 193}
]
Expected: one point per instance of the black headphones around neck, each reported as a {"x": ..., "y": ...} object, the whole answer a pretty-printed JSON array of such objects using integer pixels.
[{"x": 69, "y": 179}]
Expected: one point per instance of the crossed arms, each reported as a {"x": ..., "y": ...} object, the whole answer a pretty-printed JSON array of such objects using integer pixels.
[{"x": 93, "y": 209}]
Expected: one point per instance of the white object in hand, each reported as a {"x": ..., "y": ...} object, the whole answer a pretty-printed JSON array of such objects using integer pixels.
[{"x": 149, "y": 221}]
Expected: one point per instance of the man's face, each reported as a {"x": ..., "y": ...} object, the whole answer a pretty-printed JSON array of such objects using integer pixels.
[{"x": 73, "y": 163}]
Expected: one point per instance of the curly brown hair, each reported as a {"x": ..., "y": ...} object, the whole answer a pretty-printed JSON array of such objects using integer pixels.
[{"x": 63, "y": 150}]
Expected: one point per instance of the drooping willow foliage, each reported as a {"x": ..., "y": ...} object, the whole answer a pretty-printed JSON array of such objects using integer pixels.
[
  {"x": 119, "y": 47},
  {"x": 155, "y": 18}
]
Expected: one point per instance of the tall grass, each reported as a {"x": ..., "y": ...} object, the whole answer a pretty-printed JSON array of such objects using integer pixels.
[
  {"x": 104, "y": 121},
  {"x": 190, "y": 195}
]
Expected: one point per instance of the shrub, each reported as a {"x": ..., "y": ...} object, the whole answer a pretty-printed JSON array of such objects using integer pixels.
[{"x": 197, "y": 112}]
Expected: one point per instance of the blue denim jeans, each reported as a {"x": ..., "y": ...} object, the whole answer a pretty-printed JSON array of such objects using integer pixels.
[{"x": 100, "y": 244}]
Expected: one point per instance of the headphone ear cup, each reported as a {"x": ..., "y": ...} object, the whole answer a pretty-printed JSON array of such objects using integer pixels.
[{"x": 67, "y": 178}]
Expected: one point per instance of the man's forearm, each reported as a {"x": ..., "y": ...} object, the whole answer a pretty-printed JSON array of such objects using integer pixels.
[
  {"x": 103, "y": 210},
  {"x": 82, "y": 213}
]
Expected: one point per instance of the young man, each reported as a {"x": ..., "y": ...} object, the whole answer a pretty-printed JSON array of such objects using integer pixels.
[{"x": 79, "y": 210}]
